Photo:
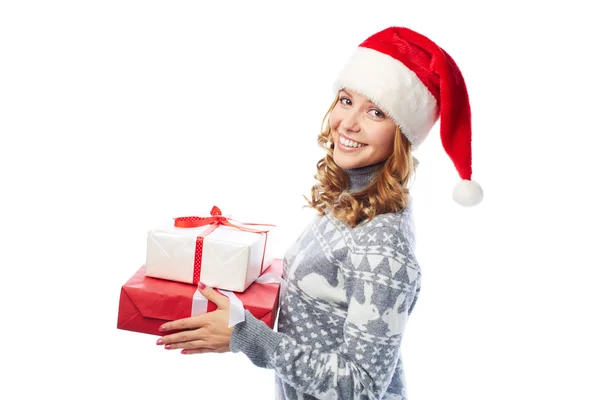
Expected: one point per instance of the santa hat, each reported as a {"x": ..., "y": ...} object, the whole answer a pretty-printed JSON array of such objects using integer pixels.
[{"x": 416, "y": 82}]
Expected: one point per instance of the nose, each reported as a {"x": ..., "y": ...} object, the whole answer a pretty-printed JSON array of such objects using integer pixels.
[{"x": 349, "y": 122}]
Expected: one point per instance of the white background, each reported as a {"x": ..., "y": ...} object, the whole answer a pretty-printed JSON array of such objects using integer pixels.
[{"x": 115, "y": 115}]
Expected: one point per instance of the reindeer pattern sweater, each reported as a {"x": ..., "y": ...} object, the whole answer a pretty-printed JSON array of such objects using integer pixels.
[{"x": 349, "y": 295}]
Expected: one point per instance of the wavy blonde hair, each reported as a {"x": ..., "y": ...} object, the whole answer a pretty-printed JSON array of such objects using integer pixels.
[{"x": 388, "y": 192}]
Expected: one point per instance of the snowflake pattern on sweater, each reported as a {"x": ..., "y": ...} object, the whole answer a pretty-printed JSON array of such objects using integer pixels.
[{"x": 349, "y": 294}]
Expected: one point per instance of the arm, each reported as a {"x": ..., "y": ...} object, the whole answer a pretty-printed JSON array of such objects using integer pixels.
[{"x": 372, "y": 331}]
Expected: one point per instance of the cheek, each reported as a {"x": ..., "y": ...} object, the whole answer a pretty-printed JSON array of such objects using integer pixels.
[
  {"x": 384, "y": 139},
  {"x": 334, "y": 120}
]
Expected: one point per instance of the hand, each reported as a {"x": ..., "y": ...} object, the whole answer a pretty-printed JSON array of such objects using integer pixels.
[{"x": 206, "y": 333}]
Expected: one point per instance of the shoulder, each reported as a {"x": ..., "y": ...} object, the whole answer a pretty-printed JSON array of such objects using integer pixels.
[
  {"x": 395, "y": 230},
  {"x": 383, "y": 249},
  {"x": 385, "y": 233}
]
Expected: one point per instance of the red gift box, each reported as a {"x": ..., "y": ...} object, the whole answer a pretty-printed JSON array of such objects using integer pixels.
[{"x": 146, "y": 303}]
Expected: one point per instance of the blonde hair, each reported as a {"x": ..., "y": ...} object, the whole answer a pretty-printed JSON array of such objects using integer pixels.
[{"x": 387, "y": 192}]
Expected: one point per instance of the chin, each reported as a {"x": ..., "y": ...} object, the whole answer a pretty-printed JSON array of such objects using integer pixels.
[{"x": 345, "y": 162}]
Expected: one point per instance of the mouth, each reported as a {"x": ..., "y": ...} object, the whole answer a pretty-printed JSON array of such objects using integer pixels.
[{"x": 349, "y": 143}]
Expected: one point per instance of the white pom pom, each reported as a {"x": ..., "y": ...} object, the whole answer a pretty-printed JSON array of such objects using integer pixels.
[{"x": 467, "y": 193}]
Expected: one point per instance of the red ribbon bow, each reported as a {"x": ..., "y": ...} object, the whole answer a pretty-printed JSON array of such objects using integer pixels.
[{"x": 214, "y": 221}]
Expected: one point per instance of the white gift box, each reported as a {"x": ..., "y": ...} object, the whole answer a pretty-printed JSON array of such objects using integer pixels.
[{"x": 229, "y": 258}]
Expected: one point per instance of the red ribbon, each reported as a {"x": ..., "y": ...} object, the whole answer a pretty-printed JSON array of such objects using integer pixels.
[{"x": 214, "y": 221}]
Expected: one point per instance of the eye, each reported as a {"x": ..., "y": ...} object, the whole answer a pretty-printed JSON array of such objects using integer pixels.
[
  {"x": 345, "y": 101},
  {"x": 377, "y": 113}
]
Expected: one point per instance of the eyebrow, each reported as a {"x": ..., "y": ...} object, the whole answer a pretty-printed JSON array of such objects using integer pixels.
[{"x": 369, "y": 101}]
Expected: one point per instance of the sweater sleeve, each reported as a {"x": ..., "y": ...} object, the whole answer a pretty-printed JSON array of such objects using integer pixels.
[{"x": 382, "y": 287}]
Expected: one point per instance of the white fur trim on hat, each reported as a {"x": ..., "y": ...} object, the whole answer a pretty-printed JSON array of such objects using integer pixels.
[{"x": 392, "y": 86}]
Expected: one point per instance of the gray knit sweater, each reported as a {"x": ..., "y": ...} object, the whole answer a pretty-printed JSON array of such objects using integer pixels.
[{"x": 341, "y": 322}]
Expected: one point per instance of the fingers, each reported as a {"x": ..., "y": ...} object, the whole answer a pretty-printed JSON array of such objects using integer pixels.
[
  {"x": 191, "y": 345},
  {"x": 185, "y": 323},
  {"x": 219, "y": 299},
  {"x": 185, "y": 336},
  {"x": 197, "y": 351}
]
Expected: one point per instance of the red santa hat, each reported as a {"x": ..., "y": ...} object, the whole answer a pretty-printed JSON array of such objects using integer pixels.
[{"x": 416, "y": 82}]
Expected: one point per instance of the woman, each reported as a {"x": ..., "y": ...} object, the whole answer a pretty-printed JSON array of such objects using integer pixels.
[{"x": 352, "y": 275}]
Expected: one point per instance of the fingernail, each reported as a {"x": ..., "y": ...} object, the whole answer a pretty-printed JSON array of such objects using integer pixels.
[
  {"x": 183, "y": 351},
  {"x": 201, "y": 285},
  {"x": 162, "y": 328},
  {"x": 167, "y": 346},
  {"x": 159, "y": 342}
]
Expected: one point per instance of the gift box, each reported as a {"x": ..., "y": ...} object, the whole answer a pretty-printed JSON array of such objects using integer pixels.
[
  {"x": 146, "y": 303},
  {"x": 213, "y": 250}
]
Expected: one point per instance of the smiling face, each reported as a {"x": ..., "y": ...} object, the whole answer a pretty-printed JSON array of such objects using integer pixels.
[{"x": 362, "y": 134}]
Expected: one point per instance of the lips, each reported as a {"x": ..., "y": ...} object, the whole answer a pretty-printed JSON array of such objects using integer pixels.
[{"x": 347, "y": 138}]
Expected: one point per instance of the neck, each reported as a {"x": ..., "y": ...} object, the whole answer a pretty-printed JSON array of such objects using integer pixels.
[{"x": 359, "y": 178}]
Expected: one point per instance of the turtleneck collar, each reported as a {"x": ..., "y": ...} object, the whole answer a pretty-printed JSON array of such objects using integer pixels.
[{"x": 360, "y": 177}]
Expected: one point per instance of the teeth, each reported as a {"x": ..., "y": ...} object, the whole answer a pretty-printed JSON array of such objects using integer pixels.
[{"x": 350, "y": 143}]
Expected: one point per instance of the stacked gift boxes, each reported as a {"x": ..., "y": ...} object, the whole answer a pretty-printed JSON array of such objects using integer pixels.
[{"x": 234, "y": 258}]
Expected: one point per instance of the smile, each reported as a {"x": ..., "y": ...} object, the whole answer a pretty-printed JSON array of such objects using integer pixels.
[{"x": 344, "y": 141}]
